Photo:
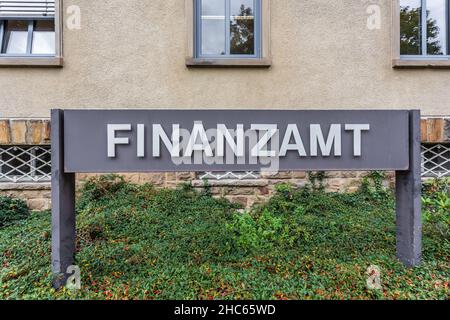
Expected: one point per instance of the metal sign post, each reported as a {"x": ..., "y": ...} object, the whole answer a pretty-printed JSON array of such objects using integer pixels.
[
  {"x": 108, "y": 141},
  {"x": 63, "y": 205},
  {"x": 408, "y": 188}
]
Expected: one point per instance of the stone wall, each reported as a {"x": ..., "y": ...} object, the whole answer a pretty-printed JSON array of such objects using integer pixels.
[
  {"x": 37, "y": 195},
  {"x": 25, "y": 132},
  {"x": 435, "y": 130},
  {"x": 248, "y": 192}
]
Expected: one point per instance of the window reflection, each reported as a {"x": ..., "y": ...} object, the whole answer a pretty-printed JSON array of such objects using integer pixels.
[
  {"x": 16, "y": 37},
  {"x": 413, "y": 29},
  {"x": 213, "y": 27},
  {"x": 28, "y": 37},
  {"x": 436, "y": 27},
  {"x": 43, "y": 37},
  {"x": 410, "y": 27},
  {"x": 242, "y": 32},
  {"x": 227, "y": 27}
]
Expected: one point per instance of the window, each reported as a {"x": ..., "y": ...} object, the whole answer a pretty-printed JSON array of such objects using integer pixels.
[
  {"x": 29, "y": 33},
  {"x": 229, "y": 32},
  {"x": 423, "y": 32},
  {"x": 227, "y": 28},
  {"x": 25, "y": 163}
]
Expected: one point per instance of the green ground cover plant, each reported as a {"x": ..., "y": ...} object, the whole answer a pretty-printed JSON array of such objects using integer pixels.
[
  {"x": 12, "y": 210},
  {"x": 139, "y": 242}
]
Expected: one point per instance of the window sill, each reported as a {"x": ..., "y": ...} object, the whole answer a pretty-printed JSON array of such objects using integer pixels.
[
  {"x": 229, "y": 63},
  {"x": 31, "y": 61},
  {"x": 404, "y": 63},
  {"x": 9, "y": 186},
  {"x": 231, "y": 183}
]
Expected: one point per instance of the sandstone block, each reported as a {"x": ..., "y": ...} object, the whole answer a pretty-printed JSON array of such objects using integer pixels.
[
  {"x": 241, "y": 191},
  {"x": 185, "y": 176},
  {"x": 239, "y": 200},
  {"x": 277, "y": 175},
  {"x": 18, "y": 131},
  {"x": 5, "y": 135},
  {"x": 152, "y": 178},
  {"x": 46, "y": 132},
  {"x": 39, "y": 204},
  {"x": 171, "y": 176},
  {"x": 34, "y": 131}
]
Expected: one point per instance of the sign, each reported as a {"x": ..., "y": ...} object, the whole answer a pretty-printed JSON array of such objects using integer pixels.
[
  {"x": 175, "y": 140},
  {"x": 105, "y": 141}
]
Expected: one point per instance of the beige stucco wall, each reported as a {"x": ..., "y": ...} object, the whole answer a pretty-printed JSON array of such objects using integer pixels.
[{"x": 131, "y": 54}]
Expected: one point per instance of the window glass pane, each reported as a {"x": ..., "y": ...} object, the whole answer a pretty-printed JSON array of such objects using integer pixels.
[
  {"x": 410, "y": 27},
  {"x": 44, "y": 37},
  {"x": 242, "y": 32},
  {"x": 213, "y": 27},
  {"x": 16, "y": 37},
  {"x": 436, "y": 27}
]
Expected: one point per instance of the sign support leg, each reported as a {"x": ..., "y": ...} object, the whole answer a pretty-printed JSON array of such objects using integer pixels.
[
  {"x": 408, "y": 200},
  {"x": 63, "y": 205}
]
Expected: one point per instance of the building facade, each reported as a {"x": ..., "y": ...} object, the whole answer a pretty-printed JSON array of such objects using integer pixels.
[{"x": 217, "y": 54}]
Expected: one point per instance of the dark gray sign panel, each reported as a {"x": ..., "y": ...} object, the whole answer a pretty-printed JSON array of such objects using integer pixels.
[
  {"x": 226, "y": 140},
  {"x": 126, "y": 140}
]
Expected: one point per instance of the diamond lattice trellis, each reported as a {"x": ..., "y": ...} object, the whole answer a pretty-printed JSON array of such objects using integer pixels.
[
  {"x": 229, "y": 175},
  {"x": 33, "y": 164},
  {"x": 25, "y": 163},
  {"x": 435, "y": 163},
  {"x": 436, "y": 160}
]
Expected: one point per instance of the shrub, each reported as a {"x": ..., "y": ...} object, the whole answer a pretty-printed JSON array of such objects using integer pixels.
[
  {"x": 436, "y": 204},
  {"x": 372, "y": 187},
  {"x": 261, "y": 232},
  {"x": 293, "y": 216},
  {"x": 181, "y": 222},
  {"x": 142, "y": 242},
  {"x": 12, "y": 210},
  {"x": 275, "y": 224},
  {"x": 317, "y": 180},
  {"x": 100, "y": 188}
]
